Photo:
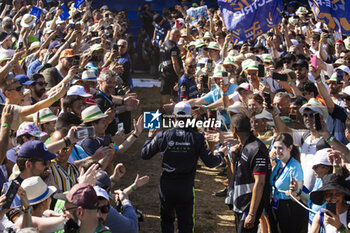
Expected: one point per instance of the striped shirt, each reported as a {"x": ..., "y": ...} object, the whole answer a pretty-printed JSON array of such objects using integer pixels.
[{"x": 64, "y": 180}]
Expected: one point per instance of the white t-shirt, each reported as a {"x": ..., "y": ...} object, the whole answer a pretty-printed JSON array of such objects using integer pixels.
[{"x": 331, "y": 229}]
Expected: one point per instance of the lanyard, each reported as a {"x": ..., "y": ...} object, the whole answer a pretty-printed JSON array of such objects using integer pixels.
[
  {"x": 279, "y": 172},
  {"x": 64, "y": 171},
  {"x": 104, "y": 96}
]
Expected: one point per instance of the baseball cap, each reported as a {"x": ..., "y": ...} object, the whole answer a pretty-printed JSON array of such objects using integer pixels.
[
  {"x": 35, "y": 149},
  {"x": 245, "y": 86},
  {"x": 315, "y": 106},
  {"x": 29, "y": 128},
  {"x": 83, "y": 195},
  {"x": 24, "y": 80},
  {"x": 3, "y": 36},
  {"x": 100, "y": 192},
  {"x": 78, "y": 90},
  {"x": 321, "y": 157},
  {"x": 103, "y": 180},
  {"x": 264, "y": 115},
  {"x": 302, "y": 63},
  {"x": 54, "y": 44},
  {"x": 344, "y": 68},
  {"x": 339, "y": 41},
  {"x": 47, "y": 30},
  {"x": 183, "y": 109},
  {"x": 346, "y": 91},
  {"x": 68, "y": 53}
]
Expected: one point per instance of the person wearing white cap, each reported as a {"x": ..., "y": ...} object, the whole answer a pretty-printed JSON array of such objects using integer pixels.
[
  {"x": 180, "y": 148},
  {"x": 346, "y": 74},
  {"x": 261, "y": 128},
  {"x": 310, "y": 139},
  {"x": 214, "y": 52}
]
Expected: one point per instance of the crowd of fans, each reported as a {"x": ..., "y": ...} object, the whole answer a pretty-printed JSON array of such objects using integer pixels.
[{"x": 67, "y": 97}]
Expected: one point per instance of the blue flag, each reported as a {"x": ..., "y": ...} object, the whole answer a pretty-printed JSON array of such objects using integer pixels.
[
  {"x": 65, "y": 14},
  {"x": 336, "y": 15},
  {"x": 248, "y": 19},
  {"x": 78, "y": 3},
  {"x": 36, "y": 11}
]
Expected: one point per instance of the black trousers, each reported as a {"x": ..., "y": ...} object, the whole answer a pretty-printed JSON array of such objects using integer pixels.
[
  {"x": 176, "y": 199},
  {"x": 289, "y": 217}
]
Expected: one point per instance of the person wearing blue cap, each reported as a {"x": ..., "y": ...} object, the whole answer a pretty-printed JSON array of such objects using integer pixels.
[{"x": 24, "y": 80}]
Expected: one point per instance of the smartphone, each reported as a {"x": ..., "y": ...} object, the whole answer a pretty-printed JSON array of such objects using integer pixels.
[
  {"x": 120, "y": 127},
  {"x": 314, "y": 61},
  {"x": 75, "y": 62},
  {"x": 94, "y": 34},
  {"x": 278, "y": 76},
  {"x": 107, "y": 140},
  {"x": 261, "y": 72},
  {"x": 85, "y": 132},
  {"x": 331, "y": 207},
  {"x": 20, "y": 45},
  {"x": 225, "y": 77},
  {"x": 210, "y": 65},
  {"x": 267, "y": 98},
  {"x": 10, "y": 194},
  {"x": 293, "y": 117},
  {"x": 340, "y": 76},
  {"x": 318, "y": 125}
]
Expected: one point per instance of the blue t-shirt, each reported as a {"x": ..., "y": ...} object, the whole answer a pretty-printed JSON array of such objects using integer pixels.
[
  {"x": 78, "y": 153},
  {"x": 161, "y": 31},
  {"x": 216, "y": 94},
  {"x": 316, "y": 208},
  {"x": 282, "y": 180},
  {"x": 126, "y": 223}
]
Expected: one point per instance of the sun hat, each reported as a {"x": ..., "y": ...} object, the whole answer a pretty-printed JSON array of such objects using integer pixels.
[
  {"x": 68, "y": 53},
  {"x": 339, "y": 62},
  {"x": 239, "y": 58},
  {"x": 229, "y": 61},
  {"x": 321, "y": 157},
  {"x": 213, "y": 45},
  {"x": 315, "y": 106},
  {"x": 89, "y": 75},
  {"x": 245, "y": 86},
  {"x": 200, "y": 43},
  {"x": 301, "y": 11},
  {"x": 47, "y": 31},
  {"x": 100, "y": 192},
  {"x": 344, "y": 68},
  {"x": 347, "y": 43},
  {"x": 330, "y": 182},
  {"x": 35, "y": 149},
  {"x": 219, "y": 69},
  {"x": 264, "y": 115},
  {"x": 333, "y": 78},
  {"x": 96, "y": 47},
  {"x": 232, "y": 53},
  {"x": 45, "y": 115},
  {"x": 250, "y": 64},
  {"x": 267, "y": 58},
  {"x": 78, "y": 90},
  {"x": 37, "y": 190},
  {"x": 92, "y": 113},
  {"x": 29, "y": 128},
  {"x": 208, "y": 35},
  {"x": 27, "y": 21},
  {"x": 83, "y": 195},
  {"x": 35, "y": 44},
  {"x": 238, "y": 107},
  {"x": 345, "y": 91},
  {"x": 182, "y": 109}
]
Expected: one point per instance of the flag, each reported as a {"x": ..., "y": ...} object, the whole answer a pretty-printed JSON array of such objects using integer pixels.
[
  {"x": 335, "y": 14},
  {"x": 195, "y": 13},
  {"x": 36, "y": 11},
  {"x": 65, "y": 14},
  {"x": 78, "y": 3},
  {"x": 248, "y": 19}
]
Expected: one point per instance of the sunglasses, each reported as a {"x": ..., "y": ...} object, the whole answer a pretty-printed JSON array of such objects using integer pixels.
[
  {"x": 191, "y": 66},
  {"x": 104, "y": 209},
  {"x": 310, "y": 115},
  {"x": 19, "y": 88},
  {"x": 71, "y": 59},
  {"x": 122, "y": 46},
  {"x": 41, "y": 83},
  {"x": 346, "y": 98}
]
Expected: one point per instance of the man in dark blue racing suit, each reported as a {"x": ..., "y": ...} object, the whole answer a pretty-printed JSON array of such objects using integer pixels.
[{"x": 180, "y": 148}]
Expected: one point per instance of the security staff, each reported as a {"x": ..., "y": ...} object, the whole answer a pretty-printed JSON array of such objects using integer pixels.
[
  {"x": 170, "y": 66},
  {"x": 180, "y": 148},
  {"x": 187, "y": 85}
]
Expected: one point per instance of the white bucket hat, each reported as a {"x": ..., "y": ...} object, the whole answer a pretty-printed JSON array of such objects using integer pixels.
[
  {"x": 27, "y": 21},
  {"x": 92, "y": 113},
  {"x": 89, "y": 75},
  {"x": 37, "y": 190}
]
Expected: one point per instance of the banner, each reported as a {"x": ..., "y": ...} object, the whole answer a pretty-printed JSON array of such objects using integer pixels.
[
  {"x": 336, "y": 14},
  {"x": 248, "y": 19},
  {"x": 65, "y": 14},
  {"x": 78, "y": 3},
  {"x": 195, "y": 13},
  {"x": 36, "y": 11}
]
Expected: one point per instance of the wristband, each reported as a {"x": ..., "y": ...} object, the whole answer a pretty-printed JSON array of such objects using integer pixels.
[
  {"x": 132, "y": 188},
  {"x": 5, "y": 125},
  {"x": 253, "y": 215},
  {"x": 330, "y": 139},
  {"x": 54, "y": 97},
  {"x": 134, "y": 135},
  {"x": 225, "y": 94},
  {"x": 206, "y": 107},
  {"x": 109, "y": 59}
]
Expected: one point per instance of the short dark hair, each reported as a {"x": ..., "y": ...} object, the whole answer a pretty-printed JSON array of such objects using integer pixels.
[
  {"x": 309, "y": 87},
  {"x": 69, "y": 100},
  {"x": 66, "y": 119},
  {"x": 241, "y": 122}
]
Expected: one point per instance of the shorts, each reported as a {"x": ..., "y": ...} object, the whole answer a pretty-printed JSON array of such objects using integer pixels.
[{"x": 167, "y": 85}]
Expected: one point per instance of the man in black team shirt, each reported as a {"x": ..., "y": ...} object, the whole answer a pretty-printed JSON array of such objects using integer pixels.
[
  {"x": 250, "y": 181},
  {"x": 170, "y": 66},
  {"x": 180, "y": 148}
]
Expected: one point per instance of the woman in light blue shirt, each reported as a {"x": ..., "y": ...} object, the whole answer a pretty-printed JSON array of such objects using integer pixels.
[{"x": 286, "y": 215}]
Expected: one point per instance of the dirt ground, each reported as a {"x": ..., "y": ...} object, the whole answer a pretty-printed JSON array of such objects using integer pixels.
[{"x": 212, "y": 215}]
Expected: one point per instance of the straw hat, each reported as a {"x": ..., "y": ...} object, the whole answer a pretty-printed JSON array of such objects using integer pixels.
[
  {"x": 89, "y": 75},
  {"x": 45, "y": 115},
  {"x": 92, "y": 113},
  {"x": 37, "y": 190},
  {"x": 208, "y": 35},
  {"x": 219, "y": 69},
  {"x": 27, "y": 21},
  {"x": 250, "y": 64},
  {"x": 214, "y": 45}
]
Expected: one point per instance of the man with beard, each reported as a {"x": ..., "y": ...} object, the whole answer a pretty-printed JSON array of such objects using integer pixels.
[
  {"x": 335, "y": 88},
  {"x": 301, "y": 70},
  {"x": 187, "y": 85},
  {"x": 38, "y": 88}
]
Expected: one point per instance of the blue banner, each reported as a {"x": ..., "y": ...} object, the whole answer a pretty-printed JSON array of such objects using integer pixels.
[
  {"x": 248, "y": 19},
  {"x": 36, "y": 11},
  {"x": 65, "y": 14},
  {"x": 336, "y": 14},
  {"x": 78, "y": 3}
]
